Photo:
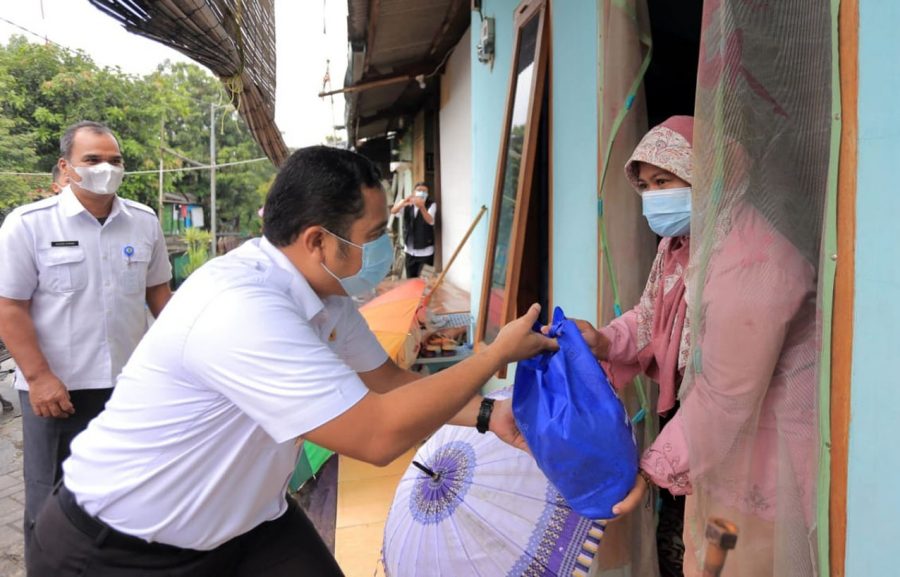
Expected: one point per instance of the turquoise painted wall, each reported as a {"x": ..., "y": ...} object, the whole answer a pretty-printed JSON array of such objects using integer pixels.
[
  {"x": 575, "y": 136},
  {"x": 574, "y": 145},
  {"x": 873, "y": 500},
  {"x": 489, "y": 84}
]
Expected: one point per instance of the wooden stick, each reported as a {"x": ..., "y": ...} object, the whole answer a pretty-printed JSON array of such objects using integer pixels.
[
  {"x": 721, "y": 536},
  {"x": 367, "y": 85},
  {"x": 455, "y": 253}
]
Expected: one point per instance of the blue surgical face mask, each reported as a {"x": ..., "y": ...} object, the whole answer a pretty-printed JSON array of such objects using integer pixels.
[
  {"x": 377, "y": 256},
  {"x": 668, "y": 211}
]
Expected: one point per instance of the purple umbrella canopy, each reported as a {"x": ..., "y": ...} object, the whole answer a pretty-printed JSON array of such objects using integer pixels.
[{"x": 471, "y": 505}]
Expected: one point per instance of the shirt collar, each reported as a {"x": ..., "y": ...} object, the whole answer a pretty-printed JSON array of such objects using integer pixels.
[
  {"x": 72, "y": 206},
  {"x": 302, "y": 293}
]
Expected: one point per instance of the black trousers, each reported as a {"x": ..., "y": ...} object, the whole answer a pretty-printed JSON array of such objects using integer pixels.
[
  {"x": 414, "y": 264},
  {"x": 68, "y": 542},
  {"x": 46, "y": 445}
]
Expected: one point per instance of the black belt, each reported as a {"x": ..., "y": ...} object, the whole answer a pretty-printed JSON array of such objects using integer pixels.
[{"x": 101, "y": 533}]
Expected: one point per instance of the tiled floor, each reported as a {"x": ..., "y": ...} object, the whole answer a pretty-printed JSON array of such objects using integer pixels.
[{"x": 365, "y": 494}]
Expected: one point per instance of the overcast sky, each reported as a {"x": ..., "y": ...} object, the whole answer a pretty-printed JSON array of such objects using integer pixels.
[{"x": 302, "y": 50}]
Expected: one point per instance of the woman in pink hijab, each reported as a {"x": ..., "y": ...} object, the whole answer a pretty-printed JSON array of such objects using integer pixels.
[
  {"x": 742, "y": 443},
  {"x": 653, "y": 338}
]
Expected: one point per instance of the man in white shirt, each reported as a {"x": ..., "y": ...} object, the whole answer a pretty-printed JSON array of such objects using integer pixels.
[
  {"x": 76, "y": 271},
  {"x": 185, "y": 472},
  {"x": 419, "y": 212}
]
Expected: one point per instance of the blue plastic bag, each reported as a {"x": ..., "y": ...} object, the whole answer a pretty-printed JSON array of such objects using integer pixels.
[{"x": 575, "y": 425}]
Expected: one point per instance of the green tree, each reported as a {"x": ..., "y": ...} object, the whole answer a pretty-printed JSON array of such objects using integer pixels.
[
  {"x": 18, "y": 151},
  {"x": 198, "y": 242}
]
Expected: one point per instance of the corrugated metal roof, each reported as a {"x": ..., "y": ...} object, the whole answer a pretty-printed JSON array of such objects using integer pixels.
[{"x": 399, "y": 38}]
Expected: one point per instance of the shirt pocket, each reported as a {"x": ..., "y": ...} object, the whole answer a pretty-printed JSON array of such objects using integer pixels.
[
  {"x": 133, "y": 272},
  {"x": 63, "y": 268}
]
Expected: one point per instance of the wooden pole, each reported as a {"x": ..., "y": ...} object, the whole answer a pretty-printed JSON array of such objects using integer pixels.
[
  {"x": 367, "y": 85},
  {"x": 455, "y": 253},
  {"x": 842, "y": 315}
]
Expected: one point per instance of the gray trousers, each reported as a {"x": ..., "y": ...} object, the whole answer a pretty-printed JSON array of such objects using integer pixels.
[{"x": 46, "y": 445}]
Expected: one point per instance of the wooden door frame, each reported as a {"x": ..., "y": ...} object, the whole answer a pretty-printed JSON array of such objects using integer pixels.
[
  {"x": 524, "y": 13},
  {"x": 842, "y": 314}
]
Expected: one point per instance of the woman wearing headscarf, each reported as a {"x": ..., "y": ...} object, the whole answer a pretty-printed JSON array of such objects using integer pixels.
[
  {"x": 653, "y": 338},
  {"x": 743, "y": 442}
]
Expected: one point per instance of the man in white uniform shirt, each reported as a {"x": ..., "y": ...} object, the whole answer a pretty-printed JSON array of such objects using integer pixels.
[
  {"x": 76, "y": 271},
  {"x": 185, "y": 472}
]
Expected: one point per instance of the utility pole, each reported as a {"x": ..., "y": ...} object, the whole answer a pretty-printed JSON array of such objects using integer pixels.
[
  {"x": 212, "y": 176},
  {"x": 161, "y": 194}
]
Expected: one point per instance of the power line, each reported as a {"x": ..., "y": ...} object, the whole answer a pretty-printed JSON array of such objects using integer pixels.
[
  {"x": 35, "y": 34},
  {"x": 202, "y": 167},
  {"x": 183, "y": 169}
]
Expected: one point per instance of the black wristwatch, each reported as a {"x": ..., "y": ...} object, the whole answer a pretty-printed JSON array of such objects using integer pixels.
[{"x": 484, "y": 415}]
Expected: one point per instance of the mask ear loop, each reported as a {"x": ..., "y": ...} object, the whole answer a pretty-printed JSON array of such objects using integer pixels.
[{"x": 342, "y": 239}]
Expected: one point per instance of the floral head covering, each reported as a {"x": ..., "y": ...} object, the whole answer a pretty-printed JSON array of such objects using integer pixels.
[{"x": 667, "y": 146}]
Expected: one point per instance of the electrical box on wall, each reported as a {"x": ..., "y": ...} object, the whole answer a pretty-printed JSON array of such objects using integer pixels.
[{"x": 486, "y": 41}]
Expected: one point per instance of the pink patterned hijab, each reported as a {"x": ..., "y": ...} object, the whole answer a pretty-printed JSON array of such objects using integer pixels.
[
  {"x": 667, "y": 146},
  {"x": 662, "y": 327}
]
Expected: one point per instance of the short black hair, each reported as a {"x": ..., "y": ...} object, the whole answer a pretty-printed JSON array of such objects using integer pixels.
[
  {"x": 317, "y": 186},
  {"x": 422, "y": 183},
  {"x": 68, "y": 137}
]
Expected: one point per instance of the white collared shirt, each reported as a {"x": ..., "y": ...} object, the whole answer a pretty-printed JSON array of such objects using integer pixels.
[
  {"x": 86, "y": 282},
  {"x": 198, "y": 441}
]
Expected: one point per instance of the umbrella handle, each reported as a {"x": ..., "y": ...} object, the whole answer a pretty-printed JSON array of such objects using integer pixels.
[
  {"x": 426, "y": 470},
  {"x": 721, "y": 536}
]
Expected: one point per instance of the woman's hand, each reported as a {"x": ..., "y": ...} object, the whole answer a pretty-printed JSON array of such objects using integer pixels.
[
  {"x": 634, "y": 498},
  {"x": 596, "y": 340},
  {"x": 517, "y": 340}
]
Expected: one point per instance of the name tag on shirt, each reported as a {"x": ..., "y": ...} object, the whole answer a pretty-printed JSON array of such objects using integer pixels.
[{"x": 64, "y": 243}]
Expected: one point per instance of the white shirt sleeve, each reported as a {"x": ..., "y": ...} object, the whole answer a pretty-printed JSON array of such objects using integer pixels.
[
  {"x": 253, "y": 346},
  {"x": 18, "y": 267},
  {"x": 160, "y": 270},
  {"x": 359, "y": 347},
  {"x": 432, "y": 210}
]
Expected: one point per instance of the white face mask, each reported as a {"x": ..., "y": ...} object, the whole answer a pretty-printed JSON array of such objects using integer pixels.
[
  {"x": 103, "y": 178},
  {"x": 421, "y": 194}
]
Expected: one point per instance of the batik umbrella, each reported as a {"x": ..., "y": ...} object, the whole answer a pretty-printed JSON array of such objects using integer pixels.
[
  {"x": 471, "y": 505},
  {"x": 392, "y": 317}
]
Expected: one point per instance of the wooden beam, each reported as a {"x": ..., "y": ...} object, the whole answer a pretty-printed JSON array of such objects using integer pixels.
[
  {"x": 842, "y": 328},
  {"x": 367, "y": 85}
]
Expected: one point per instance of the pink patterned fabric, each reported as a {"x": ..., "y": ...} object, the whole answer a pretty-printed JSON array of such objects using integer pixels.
[
  {"x": 667, "y": 146},
  {"x": 756, "y": 356},
  {"x": 653, "y": 338}
]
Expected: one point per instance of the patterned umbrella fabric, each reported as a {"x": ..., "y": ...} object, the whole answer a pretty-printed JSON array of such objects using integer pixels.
[{"x": 471, "y": 505}]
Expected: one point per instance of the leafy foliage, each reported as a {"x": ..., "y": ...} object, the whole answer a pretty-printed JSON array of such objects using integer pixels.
[{"x": 198, "y": 242}]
